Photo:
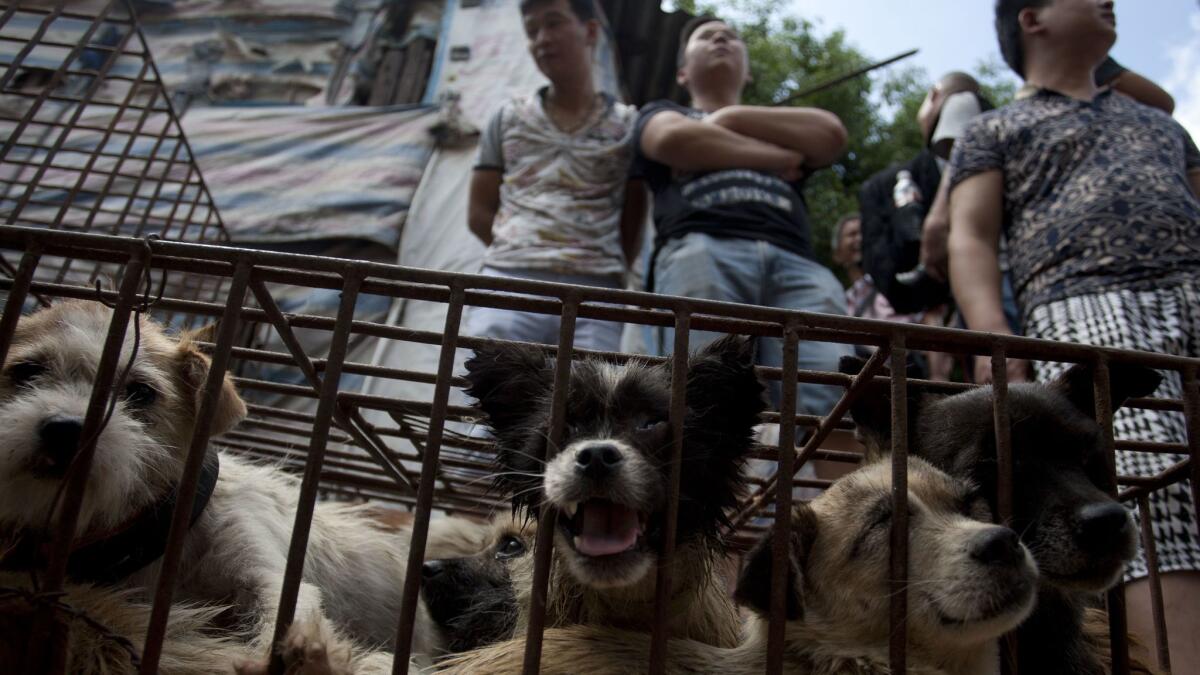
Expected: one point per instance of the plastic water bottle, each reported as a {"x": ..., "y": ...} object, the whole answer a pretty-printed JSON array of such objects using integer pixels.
[{"x": 906, "y": 191}]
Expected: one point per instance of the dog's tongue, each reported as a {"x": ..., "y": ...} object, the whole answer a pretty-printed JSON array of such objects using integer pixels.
[{"x": 607, "y": 528}]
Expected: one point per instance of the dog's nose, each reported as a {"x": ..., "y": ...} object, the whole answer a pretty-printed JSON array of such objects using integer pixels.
[
  {"x": 1103, "y": 525},
  {"x": 432, "y": 568},
  {"x": 997, "y": 546},
  {"x": 59, "y": 436},
  {"x": 598, "y": 460}
]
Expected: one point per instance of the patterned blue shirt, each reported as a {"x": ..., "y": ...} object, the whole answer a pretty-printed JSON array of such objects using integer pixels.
[{"x": 1096, "y": 194}]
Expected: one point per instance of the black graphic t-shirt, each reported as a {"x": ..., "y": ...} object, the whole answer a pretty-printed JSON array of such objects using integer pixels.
[
  {"x": 1096, "y": 194},
  {"x": 739, "y": 203}
]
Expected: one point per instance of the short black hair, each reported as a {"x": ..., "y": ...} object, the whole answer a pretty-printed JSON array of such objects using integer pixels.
[
  {"x": 685, "y": 34},
  {"x": 1008, "y": 30},
  {"x": 584, "y": 9}
]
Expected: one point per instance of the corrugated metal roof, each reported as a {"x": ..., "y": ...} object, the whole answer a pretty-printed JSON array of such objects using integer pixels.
[{"x": 647, "y": 40}]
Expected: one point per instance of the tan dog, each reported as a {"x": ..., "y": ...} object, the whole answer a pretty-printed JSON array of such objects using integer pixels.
[
  {"x": 235, "y": 551},
  {"x": 969, "y": 582}
]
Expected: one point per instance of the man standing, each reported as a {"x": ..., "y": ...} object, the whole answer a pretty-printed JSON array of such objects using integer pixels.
[
  {"x": 730, "y": 219},
  {"x": 548, "y": 193},
  {"x": 1098, "y": 197}
]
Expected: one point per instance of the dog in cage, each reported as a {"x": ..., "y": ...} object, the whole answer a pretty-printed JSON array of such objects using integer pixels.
[
  {"x": 1080, "y": 536},
  {"x": 969, "y": 582},
  {"x": 235, "y": 550},
  {"x": 472, "y": 598},
  {"x": 608, "y": 480}
]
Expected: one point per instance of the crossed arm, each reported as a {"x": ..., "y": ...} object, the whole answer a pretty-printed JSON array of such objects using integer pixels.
[{"x": 780, "y": 140}]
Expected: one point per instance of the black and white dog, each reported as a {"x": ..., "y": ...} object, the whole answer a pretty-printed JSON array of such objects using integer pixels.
[{"x": 608, "y": 480}]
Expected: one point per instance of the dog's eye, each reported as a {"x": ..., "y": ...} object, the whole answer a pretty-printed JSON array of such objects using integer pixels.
[
  {"x": 652, "y": 424},
  {"x": 510, "y": 547},
  {"x": 25, "y": 372},
  {"x": 140, "y": 394}
]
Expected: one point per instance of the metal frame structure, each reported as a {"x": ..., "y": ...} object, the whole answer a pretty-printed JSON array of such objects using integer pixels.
[
  {"x": 81, "y": 195},
  {"x": 367, "y": 454}
]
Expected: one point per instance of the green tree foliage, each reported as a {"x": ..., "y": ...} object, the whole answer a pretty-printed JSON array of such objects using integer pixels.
[{"x": 789, "y": 54}]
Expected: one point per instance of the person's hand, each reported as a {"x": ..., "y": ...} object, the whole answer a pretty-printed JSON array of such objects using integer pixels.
[
  {"x": 935, "y": 254},
  {"x": 1016, "y": 369},
  {"x": 794, "y": 174}
]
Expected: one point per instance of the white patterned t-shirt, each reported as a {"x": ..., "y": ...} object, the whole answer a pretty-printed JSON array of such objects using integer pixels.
[{"x": 562, "y": 194}]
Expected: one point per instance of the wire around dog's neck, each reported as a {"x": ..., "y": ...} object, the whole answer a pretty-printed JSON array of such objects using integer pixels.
[{"x": 131, "y": 547}]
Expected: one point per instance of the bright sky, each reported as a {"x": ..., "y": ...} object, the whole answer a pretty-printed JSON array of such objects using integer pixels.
[{"x": 1158, "y": 38}]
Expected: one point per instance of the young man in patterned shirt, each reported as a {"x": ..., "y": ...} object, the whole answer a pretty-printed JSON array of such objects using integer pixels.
[
  {"x": 549, "y": 192},
  {"x": 1098, "y": 196}
]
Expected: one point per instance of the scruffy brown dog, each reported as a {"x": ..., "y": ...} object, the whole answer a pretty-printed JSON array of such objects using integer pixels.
[
  {"x": 1080, "y": 537},
  {"x": 609, "y": 483},
  {"x": 969, "y": 583},
  {"x": 235, "y": 550}
]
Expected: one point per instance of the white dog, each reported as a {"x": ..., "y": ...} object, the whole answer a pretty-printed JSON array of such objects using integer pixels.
[{"x": 236, "y": 549}]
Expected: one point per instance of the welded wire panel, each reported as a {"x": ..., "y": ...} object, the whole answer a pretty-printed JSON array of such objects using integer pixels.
[{"x": 90, "y": 141}]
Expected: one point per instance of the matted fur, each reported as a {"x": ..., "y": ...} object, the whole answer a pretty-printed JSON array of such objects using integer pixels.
[
  {"x": 191, "y": 646},
  {"x": 839, "y": 594},
  {"x": 624, "y": 410},
  {"x": 1060, "y": 474},
  {"x": 236, "y": 552}
]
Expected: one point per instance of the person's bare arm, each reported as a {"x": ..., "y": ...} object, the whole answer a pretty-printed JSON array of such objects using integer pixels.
[
  {"x": 817, "y": 134},
  {"x": 1143, "y": 91},
  {"x": 483, "y": 202},
  {"x": 976, "y": 212},
  {"x": 685, "y": 144},
  {"x": 935, "y": 232},
  {"x": 633, "y": 217},
  {"x": 1194, "y": 178}
]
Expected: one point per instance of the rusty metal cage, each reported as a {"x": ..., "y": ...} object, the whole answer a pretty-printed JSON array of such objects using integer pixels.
[{"x": 95, "y": 161}]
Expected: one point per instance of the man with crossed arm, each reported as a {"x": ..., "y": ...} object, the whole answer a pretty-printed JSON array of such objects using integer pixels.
[{"x": 730, "y": 218}]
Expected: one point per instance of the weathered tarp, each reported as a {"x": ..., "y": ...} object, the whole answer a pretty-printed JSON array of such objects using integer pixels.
[{"x": 295, "y": 174}]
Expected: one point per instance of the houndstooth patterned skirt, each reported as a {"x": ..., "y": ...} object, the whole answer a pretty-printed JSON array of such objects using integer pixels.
[{"x": 1164, "y": 320}]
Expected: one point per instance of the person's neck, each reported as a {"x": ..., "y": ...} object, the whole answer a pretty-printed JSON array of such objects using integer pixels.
[
  {"x": 854, "y": 273},
  {"x": 712, "y": 100},
  {"x": 574, "y": 95},
  {"x": 1065, "y": 72}
]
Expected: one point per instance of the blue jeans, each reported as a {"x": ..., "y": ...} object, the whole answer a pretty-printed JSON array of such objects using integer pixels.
[
  {"x": 753, "y": 272},
  {"x": 506, "y": 324}
]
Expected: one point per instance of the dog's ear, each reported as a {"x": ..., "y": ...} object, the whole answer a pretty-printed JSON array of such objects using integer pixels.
[
  {"x": 872, "y": 410},
  {"x": 506, "y": 381},
  {"x": 721, "y": 380},
  {"x": 1125, "y": 382},
  {"x": 754, "y": 583},
  {"x": 193, "y": 372}
]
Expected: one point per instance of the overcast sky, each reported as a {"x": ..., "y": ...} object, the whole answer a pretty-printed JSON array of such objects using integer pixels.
[{"x": 1157, "y": 38}]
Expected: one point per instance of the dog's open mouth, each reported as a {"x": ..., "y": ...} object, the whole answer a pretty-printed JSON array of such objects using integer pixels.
[{"x": 599, "y": 527}]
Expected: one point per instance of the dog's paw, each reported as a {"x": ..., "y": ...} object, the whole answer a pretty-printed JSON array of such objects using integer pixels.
[{"x": 309, "y": 649}]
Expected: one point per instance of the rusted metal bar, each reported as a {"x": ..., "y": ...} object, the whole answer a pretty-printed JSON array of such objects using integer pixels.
[
  {"x": 305, "y": 505},
  {"x": 836, "y": 328},
  {"x": 67, "y": 517},
  {"x": 1191, "y": 400},
  {"x": 437, "y": 425},
  {"x": 828, "y": 423},
  {"x": 16, "y": 299},
  {"x": 898, "y": 650},
  {"x": 1115, "y": 601},
  {"x": 781, "y": 546},
  {"x": 1162, "y": 651},
  {"x": 1004, "y": 479},
  {"x": 341, "y": 415},
  {"x": 197, "y": 449},
  {"x": 662, "y": 588},
  {"x": 547, "y": 519}
]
